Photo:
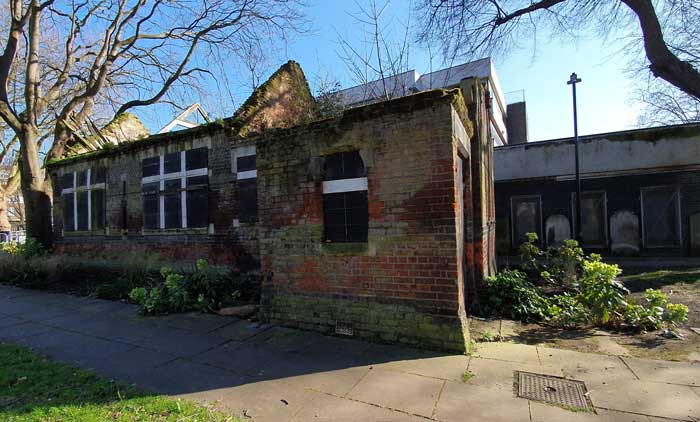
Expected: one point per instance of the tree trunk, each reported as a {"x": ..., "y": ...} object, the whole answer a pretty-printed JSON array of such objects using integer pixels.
[{"x": 36, "y": 189}]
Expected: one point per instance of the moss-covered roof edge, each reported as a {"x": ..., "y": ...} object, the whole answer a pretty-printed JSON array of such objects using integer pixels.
[{"x": 397, "y": 105}]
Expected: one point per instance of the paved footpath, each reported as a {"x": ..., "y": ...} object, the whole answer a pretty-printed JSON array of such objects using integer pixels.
[{"x": 275, "y": 374}]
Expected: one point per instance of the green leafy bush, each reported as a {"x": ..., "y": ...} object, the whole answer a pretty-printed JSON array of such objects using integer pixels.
[
  {"x": 593, "y": 295},
  {"x": 510, "y": 294},
  {"x": 203, "y": 289},
  {"x": 30, "y": 248}
]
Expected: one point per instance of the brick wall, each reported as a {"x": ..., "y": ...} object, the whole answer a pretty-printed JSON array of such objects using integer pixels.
[{"x": 407, "y": 274}]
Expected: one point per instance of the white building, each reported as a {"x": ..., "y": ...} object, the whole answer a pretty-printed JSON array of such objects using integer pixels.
[{"x": 411, "y": 81}]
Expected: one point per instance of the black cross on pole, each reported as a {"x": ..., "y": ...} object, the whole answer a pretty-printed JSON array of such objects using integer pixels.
[{"x": 573, "y": 80}]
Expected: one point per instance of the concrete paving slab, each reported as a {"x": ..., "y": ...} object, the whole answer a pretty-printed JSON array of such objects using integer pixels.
[
  {"x": 508, "y": 351},
  {"x": 541, "y": 412},
  {"x": 499, "y": 374},
  {"x": 195, "y": 322},
  {"x": 74, "y": 348},
  {"x": 325, "y": 408},
  {"x": 132, "y": 366},
  {"x": 184, "y": 377},
  {"x": 269, "y": 401},
  {"x": 382, "y": 353},
  {"x": 449, "y": 367},
  {"x": 241, "y": 330},
  {"x": 179, "y": 342},
  {"x": 410, "y": 393},
  {"x": 338, "y": 382},
  {"x": 648, "y": 398},
  {"x": 7, "y": 321},
  {"x": 19, "y": 331},
  {"x": 460, "y": 402},
  {"x": 285, "y": 339},
  {"x": 595, "y": 370},
  {"x": 687, "y": 373},
  {"x": 35, "y": 312}
]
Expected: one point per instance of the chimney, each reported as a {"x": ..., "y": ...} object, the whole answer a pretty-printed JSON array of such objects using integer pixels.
[{"x": 516, "y": 123}]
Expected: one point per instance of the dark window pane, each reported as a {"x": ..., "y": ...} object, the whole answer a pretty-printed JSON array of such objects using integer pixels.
[
  {"x": 82, "y": 210},
  {"x": 526, "y": 219},
  {"x": 173, "y": 210},
  {"x": 151, "y": 166},
  {"x": 197, "y": 181},
  {"x": 248, "y": 195},
  {"x": 343, "y": 165},
  {"x": 172, "y": 185},
  {"x": 82, "y": 178},
  {"x": 97, "y": 202},
  {"x": 197, "y": 201},
  {"x": 67, "y": 181},
  {"x": 98, "y": 175},
  {"x": 593, "y": 219},
  {"x": 196, "y": 158},
  {"x": 151, "y": 216},
  {"x": 68, "y": 212},
  {"x": 345, "y": 216},
  {"x": 171, "y": 162},
  {"x": 246, "y": 163},
  {"x": 660, "y": 217}
]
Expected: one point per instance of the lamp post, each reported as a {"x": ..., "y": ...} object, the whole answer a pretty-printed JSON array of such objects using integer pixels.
[{"x": 573, "y": 80}]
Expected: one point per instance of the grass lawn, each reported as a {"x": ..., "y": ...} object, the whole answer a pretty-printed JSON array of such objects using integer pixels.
[{"x": 33, "y": 388}]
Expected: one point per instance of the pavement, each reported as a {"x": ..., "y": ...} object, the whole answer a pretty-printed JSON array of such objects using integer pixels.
[{"x": 270, "y": 373}]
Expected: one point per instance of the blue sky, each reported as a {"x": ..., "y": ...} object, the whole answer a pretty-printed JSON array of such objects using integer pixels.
[{"x": 604, "y": 96}]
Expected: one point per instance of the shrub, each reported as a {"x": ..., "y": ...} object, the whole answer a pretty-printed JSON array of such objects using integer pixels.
[
  {"x": 530, "y": 254},
  {"x": 564, "y": 264},
  {"x": 203, "y": 289},
  {"x": 599, "y": 292},
  {"x": 657, "y": 313},
  {"x": 566, "y": 311},
  {"x": 510, "y": 294},
  {"x": 31, "y": 247}
]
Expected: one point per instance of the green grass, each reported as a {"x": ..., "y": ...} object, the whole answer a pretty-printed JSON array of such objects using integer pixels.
[
  {"x": 33, "y": 388},
  {"x": 660, "y": 278}
]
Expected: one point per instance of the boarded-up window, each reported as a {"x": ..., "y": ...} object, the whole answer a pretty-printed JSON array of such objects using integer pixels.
[
  {"x": 660, "y": 217},
  {"x": 172, "y": 204},
  {"x": 196, "y": 158},
  {"x": 248, "y": 194},
  {"x": 246, "y": 175},
  {"x": 151, "y": 216},
  {"x": 197, "y": 201},
  {"x": 82, "y": 210},
  {"x": 345, "y": 204},
  {"x": 68, "y": 212},
  {"x": 593, "y": 219},
  {"x": 173, "y": 198},
  {"x": 526, "y": 215},
  {"x": 150, "y": 166}
]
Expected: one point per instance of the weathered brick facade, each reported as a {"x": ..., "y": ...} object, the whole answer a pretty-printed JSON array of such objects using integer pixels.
[{"x": 429, "y": 242}]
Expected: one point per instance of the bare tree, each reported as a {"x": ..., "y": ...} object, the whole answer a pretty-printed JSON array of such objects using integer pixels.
[
  {"x": 472, "y": 28},
  {"x": 377, "y": 54},
  {"x": 116, "y": 54}
]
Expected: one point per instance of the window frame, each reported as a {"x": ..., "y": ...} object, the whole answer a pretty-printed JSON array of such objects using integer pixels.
[
  {"x": 540, "y": 234},
  {"x": 679, "y": 224},
  {"x": 88, "y": 187},
  {"x": 246, "y": 175},
  {"x": 345, "y": 186},
  {"x": 182, "y": 175},
  {"x": 574, "y": 233}
]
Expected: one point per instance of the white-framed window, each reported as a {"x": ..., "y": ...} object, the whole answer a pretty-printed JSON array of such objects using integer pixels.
[
  {"x": 245, "y": 168},
  {"x": 175, "y": 190},
  {"x": 345, "y": 202},
  {"x": 83, "y": 197}
]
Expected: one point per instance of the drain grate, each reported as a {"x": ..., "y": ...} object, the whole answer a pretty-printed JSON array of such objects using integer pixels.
[
  {"x": 343, "y": 328},
  {"x": 548, "y": 389}
]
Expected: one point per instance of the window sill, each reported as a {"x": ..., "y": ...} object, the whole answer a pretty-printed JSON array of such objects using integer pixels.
[
  {"x": 165, "y": 232},
  {"x": 345, "y": 248},
  {"x": 81, "y": 233}
]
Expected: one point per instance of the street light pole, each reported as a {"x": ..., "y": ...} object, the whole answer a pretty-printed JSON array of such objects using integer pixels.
[{"x": 573, "y": 80}]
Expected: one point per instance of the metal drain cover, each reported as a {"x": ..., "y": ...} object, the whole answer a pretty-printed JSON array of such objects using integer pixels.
[{"x": 548, "y": 389}]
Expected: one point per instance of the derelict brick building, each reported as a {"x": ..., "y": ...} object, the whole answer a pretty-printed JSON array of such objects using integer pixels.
[{"x": 379, "y": 221}]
